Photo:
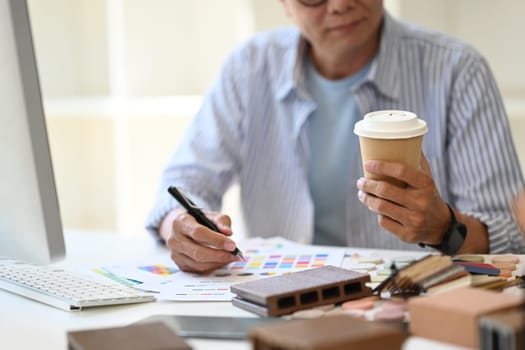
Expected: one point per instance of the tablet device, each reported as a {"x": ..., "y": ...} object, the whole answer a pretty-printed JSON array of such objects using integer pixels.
[{"x": 211, "y": 326}]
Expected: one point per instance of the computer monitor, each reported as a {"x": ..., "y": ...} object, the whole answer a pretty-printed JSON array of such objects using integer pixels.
[{"x": 30, "y": 224}]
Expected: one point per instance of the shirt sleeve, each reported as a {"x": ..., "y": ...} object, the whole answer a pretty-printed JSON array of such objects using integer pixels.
[
  {"x": 207, "y": 158},
  {"x": 484, "y": 171}
]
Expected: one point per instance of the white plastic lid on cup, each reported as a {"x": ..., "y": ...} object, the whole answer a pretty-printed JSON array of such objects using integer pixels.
[{"x": 390, "y": 125}]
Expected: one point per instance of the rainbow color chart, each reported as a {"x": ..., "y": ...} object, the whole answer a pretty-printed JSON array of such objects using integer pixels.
[
  {"x": 161, "y": 270},
  {"x": 279, "y": 262},
  {"x": 263, "y": 258}
]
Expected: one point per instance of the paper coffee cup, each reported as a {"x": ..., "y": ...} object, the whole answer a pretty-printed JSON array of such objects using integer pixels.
[{"x": 391, "y": 135}]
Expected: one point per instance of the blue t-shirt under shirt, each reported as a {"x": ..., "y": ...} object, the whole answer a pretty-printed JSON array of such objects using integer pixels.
[{"x": 333, "y": 147}]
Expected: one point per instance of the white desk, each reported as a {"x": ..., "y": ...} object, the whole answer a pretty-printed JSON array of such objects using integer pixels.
[{"x": 26, "y": 324}]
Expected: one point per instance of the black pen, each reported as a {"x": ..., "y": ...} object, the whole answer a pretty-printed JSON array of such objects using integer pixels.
[{"x": 197, "y": 213}]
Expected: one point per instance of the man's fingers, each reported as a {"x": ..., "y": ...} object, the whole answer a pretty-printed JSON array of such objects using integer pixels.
[
  {"x": 383, "y": 190},
  {"x": 188, "y": 226},
  {"x": 399, "y": 171},
  {"x": 187, "y": 264},
  {"x": 204, "y": 254},
  {"x": 196, "y": 248},
  {"x": 211, "y": 238},
  {"x": 192, "y": 256},
  {"x": 222, "y": 221},
  {"x": 382, "y": 206},
  {"x": 385, "y": 168},
  {"x": 397, "y": 229}
]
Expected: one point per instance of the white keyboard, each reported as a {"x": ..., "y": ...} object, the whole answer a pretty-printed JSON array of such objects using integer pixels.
[{"x": 63, "y": 289}]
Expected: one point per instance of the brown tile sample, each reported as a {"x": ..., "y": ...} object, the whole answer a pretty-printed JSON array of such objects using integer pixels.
[
  {"x": 147, "y": 336},
  {"x": 503, "y": 330},
  {"x": 280, "y": 295},
  {"x": 453, "y": 316},
  {"x": 327, "y": 333}
]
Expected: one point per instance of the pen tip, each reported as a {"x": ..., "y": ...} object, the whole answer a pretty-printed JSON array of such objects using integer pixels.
[{"x": 239, "y": 254}]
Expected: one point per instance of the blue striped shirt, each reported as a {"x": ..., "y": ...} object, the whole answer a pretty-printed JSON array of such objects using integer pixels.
[
  {"x": 251, "y": 129},
  {"x": 332, "y": 144}
]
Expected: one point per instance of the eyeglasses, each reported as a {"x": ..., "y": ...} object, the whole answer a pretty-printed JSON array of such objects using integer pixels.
[{"x": 311, "y": 3}]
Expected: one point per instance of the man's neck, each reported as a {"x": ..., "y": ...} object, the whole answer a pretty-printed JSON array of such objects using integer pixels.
[{"x": 342, "y": 65}]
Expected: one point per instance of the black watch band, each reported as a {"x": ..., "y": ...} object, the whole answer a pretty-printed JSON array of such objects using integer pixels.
[{"x": 454, "y": 236}]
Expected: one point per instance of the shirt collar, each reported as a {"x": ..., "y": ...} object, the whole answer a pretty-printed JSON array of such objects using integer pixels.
[
  {"x": 383, "y": 72},
  {"x": 292, "y": 74}
]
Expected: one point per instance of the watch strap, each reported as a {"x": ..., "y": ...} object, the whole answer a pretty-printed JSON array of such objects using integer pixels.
[{"x": 453, "y": 238}]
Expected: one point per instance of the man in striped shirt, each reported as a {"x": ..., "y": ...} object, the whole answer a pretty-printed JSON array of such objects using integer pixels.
[{"x": 279, "y": 121}]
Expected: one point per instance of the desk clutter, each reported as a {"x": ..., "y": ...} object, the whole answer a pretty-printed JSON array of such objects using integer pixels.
[
  {"x": 435, "y": 273},
  {"x": 371, "y": 302},
  {"x": 310, "y": 288},
  {"x": 502, "y": 330},
  {"x": 147, "y": 336},
  {"x": 454, "y": 316},
  {"x": 263, "y": 258},
  {"x": 460, "y": 300},
  {"x": 284, "y": 294},
  {"x": 330, "y": 333}
]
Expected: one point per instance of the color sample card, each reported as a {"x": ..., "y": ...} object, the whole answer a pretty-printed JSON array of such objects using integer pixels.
[
  {"x": 116, "y": 278},
  {"x": 146, "y": 275},
  {"x": 275, "y": 256},
  {"x": 263, "y": 258},
  {"x": 280, "y": 262},
  {"x": 158, "y": 269},
  {"x": 197, "y": 288}
]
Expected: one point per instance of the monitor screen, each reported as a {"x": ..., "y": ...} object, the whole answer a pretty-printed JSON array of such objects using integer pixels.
[{"x": 30, "y": 224}]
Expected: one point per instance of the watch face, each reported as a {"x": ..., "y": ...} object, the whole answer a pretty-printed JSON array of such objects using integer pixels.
[{"x": 454, "y": 238}]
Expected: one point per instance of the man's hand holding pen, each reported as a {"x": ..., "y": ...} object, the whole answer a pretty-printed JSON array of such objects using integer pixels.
[{"x": 195, "y": 247}]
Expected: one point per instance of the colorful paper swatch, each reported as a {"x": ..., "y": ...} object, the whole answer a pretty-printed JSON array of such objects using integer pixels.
[
  {"x": 263, "y": 258},
  {"x": 280, "y": 262},
  {"x": 161, "y": 270}
]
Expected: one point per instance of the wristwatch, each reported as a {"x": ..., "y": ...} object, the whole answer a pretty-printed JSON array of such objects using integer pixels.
[{"x": 454, "y": 236}]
